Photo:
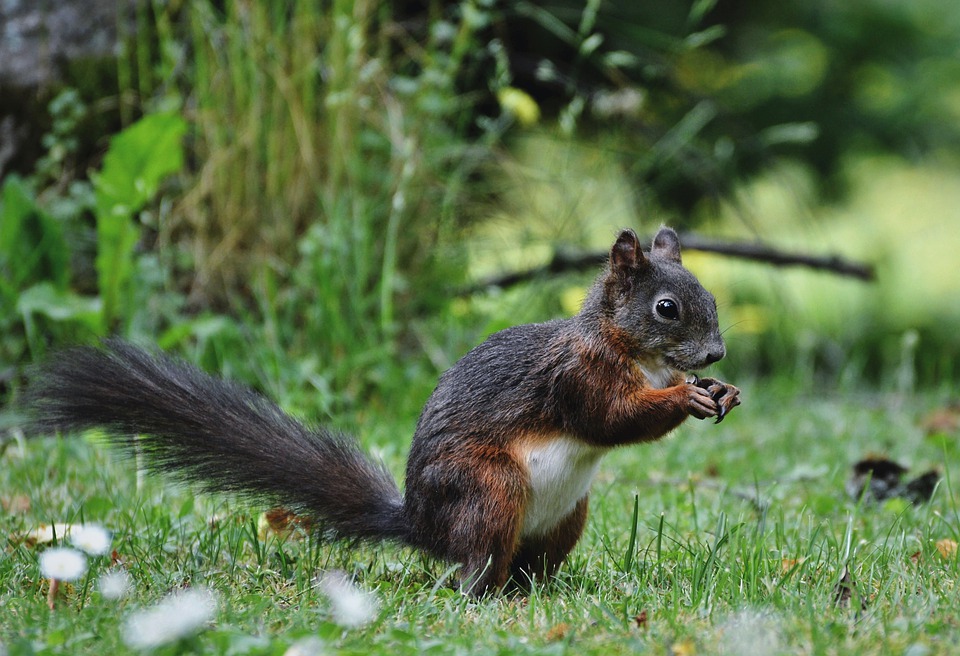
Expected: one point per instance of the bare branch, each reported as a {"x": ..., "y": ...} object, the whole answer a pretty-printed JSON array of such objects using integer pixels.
[
  {"x": 757, "y": 252},
  {"x": 769, "y": 255}
]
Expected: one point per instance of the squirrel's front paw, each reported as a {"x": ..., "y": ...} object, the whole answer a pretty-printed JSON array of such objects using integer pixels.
[
  {"x": 700, "y": 403},
  {"x": 726, "y": 396}
]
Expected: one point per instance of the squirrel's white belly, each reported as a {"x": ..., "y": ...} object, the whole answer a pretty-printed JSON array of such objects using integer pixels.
[
  {"x": 561, "y": 472},
  {"x": 659, "y": 377}
]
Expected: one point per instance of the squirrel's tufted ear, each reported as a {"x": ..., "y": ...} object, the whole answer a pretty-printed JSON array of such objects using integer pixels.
[
  {"x": 626, "y": 254},
  {"x": 666, "y": 244}
]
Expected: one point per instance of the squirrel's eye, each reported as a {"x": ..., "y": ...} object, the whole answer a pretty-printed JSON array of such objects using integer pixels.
[{"x": 668, "y": 309}]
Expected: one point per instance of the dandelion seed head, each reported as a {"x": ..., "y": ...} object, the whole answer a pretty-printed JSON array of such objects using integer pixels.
[
  {"x": 63, "y": 564},
  {"x": 749, "y": 633},
  {"x": 309, "y": 646},
  {"x": 115, "y": 584},
  {"x": 916, "y": 649},
  {"x": 351, "y": 607},
  {"x": 93, "y": 539},
  {"x": 176, "y": 616}
]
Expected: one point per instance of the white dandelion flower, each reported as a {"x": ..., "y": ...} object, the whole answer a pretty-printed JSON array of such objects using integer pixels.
[
  {"x": 93, "y": 539},
  {"x": 115, "y": 584},
  {"x": 63, "y": 564},
  {"x": 749, "y": 633},
  {"x": 176, "y": 616},
  {"x": 351, "y": 607},
  {"x": 309, "y": 646}
]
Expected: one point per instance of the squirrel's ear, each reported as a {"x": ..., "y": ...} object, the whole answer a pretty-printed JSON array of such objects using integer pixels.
[
  {"x": 626, "y": 254},
  {"x": 666, "y": 244}
]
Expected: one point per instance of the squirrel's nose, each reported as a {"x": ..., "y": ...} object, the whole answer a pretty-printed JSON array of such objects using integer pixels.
[{"x": 715, "y": 355}]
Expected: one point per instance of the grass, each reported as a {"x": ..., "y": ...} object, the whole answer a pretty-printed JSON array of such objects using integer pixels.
[
  {"x": 324, "y": 132},
  {"x": 720, "y": 539}
]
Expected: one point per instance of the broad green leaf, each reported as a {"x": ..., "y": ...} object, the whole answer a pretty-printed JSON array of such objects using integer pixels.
[
  {"x": 59, "y": 305},
  {"x": 201, "y": 328},
  {"x": 138, "y": 160},
  {"x": 32, "y": 246}
]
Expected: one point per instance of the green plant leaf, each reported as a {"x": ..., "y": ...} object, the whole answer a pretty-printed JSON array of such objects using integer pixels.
[
  {"x": 59, "y": 305},
  {"x": 32, "y": 246},
  {"x": 138, "y": 160}
]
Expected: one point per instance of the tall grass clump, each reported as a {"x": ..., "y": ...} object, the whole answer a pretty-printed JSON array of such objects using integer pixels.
[{"x": 331, "y": 148}]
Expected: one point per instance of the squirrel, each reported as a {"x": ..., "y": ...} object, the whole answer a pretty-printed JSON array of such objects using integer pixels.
[{"x": 505, "y": 449}]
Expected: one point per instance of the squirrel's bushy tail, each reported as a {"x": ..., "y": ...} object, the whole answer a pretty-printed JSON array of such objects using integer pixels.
[{"x": 217, "y": 434}]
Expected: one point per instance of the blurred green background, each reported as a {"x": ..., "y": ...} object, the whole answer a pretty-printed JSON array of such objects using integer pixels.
[{"x": 297, "y": 194}]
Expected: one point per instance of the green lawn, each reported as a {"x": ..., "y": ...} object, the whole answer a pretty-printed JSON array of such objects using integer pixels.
[{"x": 742, "y": 534}]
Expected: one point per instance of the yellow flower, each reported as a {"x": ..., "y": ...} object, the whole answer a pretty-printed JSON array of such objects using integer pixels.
[{"x": 519, "y": 104}]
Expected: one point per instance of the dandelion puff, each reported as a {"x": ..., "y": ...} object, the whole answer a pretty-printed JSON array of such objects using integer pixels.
[
  {"x": 93, "y": 539},
  {"x": 351, "y": 607},
  {"x": 176, "y": 616},
  {"x": 63, "y": 564},
  {"x": 115, "y": 584},
  {"x": 749, "y": 633},
  {"x": 309, "y": 646}
]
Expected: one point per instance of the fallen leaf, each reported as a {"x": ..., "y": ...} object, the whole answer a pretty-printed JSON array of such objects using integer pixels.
[
  {"x": 947, "y": 548},
  {"x": 788, "y": 564},
  {"x": 47, "y": 533},
  {"x": 875, "y": 477},
  {"x": 641, "y": 619},
  {"x": 878, "y": 479},
  {"x": 845, "y": 590},
  {"x": 683, "y": 648},
  {"x": 558, "y": 632},
  {"x": 17, "y": 504},
  {"x": 942, "y": 420},
  {"x": 915, "y": 557},
  {"x": 921, "y": 488},
  {"x": 282, "y": 522}
]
